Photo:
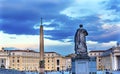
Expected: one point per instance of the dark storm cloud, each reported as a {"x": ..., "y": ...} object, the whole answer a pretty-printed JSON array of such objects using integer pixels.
[
  {"x": 62, "y": 31},
  {"x": 99, "y": 38},
  {"x": 19, "y": 17},
  {"x": 33, "y": 10},
  {"x": 58, "y": 34},
  {"x": 14, "y": 27}
]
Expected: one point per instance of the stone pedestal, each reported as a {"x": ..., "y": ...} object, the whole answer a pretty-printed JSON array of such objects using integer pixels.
[
  {"x": 80, "y": 66},
  {"x": 41, "y": 71},
  {"x": 84, "y": 65}
]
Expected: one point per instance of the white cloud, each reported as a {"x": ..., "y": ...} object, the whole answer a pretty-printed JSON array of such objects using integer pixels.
[
  {"x": 37, "y": 25},
  {"x": 48, "y": 36},
  {"x": 26, "y": 41},
  {"x": 109, "y": 15},
  {"x": 109, "y": 44},
  {"x": 45, "y": 28},
  {"x": 55, "y": 42},
  {"x": 110, "y": 29},
  {"x": 49, "y": 28},
  {"x": 67, "y": 40},
  {"x": 107, "y": 26},
  {"x": 18, "y": 41},
  {"x": 32, "y": 42},
  {"x": 94, "y": 45},
  {"x": 82, "y": 8},
  {"x": 92, "y": 42},
  {"x": 49, "y": 22}
]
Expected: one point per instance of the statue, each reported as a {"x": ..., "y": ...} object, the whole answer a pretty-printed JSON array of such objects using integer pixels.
[{"x": 80, "y": 41}]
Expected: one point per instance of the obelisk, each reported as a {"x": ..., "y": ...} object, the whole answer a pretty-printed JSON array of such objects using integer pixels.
[{"x": 41, "y": 64}]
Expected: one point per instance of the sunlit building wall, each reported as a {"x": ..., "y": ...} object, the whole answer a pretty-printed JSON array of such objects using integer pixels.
[
  {"x": 54, "y": 61},
  {"x": 67, "y": 63},
  {"x": 4, "y": 58},
  {"x": 28, "y": 60}
]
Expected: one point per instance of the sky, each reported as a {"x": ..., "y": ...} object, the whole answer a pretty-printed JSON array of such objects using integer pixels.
[{"x": 20, "y": 21}]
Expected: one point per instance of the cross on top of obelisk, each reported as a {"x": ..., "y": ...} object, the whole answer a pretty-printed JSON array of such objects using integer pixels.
[{"x": 41, "y": 21}]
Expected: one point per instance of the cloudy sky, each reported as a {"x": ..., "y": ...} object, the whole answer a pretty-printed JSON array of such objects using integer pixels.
[{"x": 20, "y": 21}]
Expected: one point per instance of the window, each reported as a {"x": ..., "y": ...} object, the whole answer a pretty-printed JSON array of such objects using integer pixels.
[
  {"x": 90, "y": 53},
  {"x": 94, "y": 53},
  {"x": 99, "y": 60},
  {"x": 58, "y": 68},
  {"x": 13, "y": 61},
  {"x": 18, "y": 61},
  {"x": 13, "y": 53},
  {"x": 58, "y": 62},
  {"x": 2, "y": 61},
  {"x": 48, "y": 60},
  {"x": 52, "y": 54},
  {"x": 99, "y": 53}
]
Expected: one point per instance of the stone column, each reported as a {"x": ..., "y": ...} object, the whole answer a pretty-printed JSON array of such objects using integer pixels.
[{"x": 41, "y": 63}]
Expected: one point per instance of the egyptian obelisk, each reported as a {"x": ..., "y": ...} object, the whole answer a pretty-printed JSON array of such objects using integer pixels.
[{"x": 41, "y": 49}]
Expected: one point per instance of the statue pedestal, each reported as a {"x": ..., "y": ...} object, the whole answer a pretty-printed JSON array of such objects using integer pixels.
[{"x": 83, "y": 65}]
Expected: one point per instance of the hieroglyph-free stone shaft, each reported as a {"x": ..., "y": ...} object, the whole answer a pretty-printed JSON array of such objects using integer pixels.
[
  {"x": 41, "y": 63},
  {"x": 41, "y": 43}
]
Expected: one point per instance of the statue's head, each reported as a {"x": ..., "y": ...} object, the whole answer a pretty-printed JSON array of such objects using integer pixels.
[{"x": 81, "y": 25}]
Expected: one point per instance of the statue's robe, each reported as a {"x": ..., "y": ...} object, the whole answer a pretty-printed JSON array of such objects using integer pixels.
[{"x": 80, "y": 41}]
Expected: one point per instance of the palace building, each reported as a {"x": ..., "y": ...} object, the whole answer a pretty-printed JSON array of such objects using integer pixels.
[
  {"x": 4, "y": 58},
  {"x": 24, "y": 60},
  {"x": 56, "y": 62},
  {"x": 111, "y": 59},
  {"x": 28, "y": 60},
  {"x": 97, "y": 54},
  {"x": 107, "y": 59}
]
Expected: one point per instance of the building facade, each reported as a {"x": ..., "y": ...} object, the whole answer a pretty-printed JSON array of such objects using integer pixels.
[
  {"x": 111, "y": 59},
  {"x": 97, "y": 54},
  {"x": 56, "y": 62},
  {"x": 4, "y": 58},
  {"x": 53, "y": 61},
  {"x": 107, "y": 59},
  {"x": 28, "y": 60}
]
